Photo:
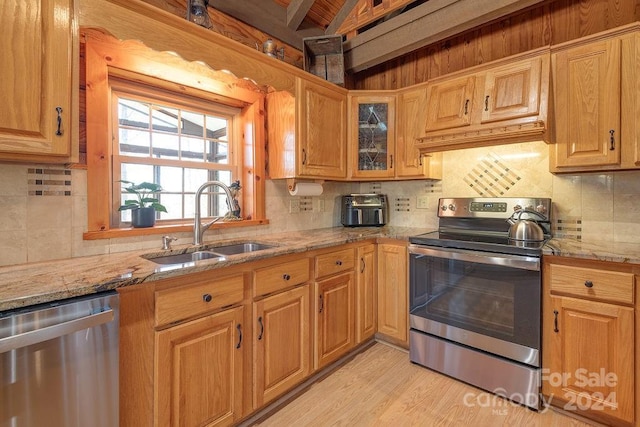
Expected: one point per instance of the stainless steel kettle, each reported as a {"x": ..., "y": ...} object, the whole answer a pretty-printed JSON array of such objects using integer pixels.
[{"x": 525, "y": 230}]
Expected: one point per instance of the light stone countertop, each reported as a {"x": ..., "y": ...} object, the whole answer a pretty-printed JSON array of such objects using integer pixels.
[
  {"x": 602, "y": 251},
  {"x": 35, "y": 283}
]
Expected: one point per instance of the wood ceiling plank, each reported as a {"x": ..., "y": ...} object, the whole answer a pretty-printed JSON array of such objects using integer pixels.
[
  {"x": 342, "y": 14},
  {"x": 426, "y": 24},
  {"x": 267, "y": 16},
  {"x": 296, "y": 11}
]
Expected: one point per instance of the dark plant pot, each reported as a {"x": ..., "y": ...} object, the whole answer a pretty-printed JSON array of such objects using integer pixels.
[{"x": 143, "y": 217}]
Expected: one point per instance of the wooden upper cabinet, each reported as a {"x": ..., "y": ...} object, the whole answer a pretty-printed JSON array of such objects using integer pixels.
[
  {"x": 588, "y": 104},
  {"x": 501, "y": 102},
  {"x": 597, "y": 104},
  {"x": 512, "y": 91},
  {"x": 36, "y": 57},
  {"x": 372, "y": 134},
  {"x": 450, "y": 103},
  {"x": 307, "y": 133},
  {"x": 411, "y": 109}
]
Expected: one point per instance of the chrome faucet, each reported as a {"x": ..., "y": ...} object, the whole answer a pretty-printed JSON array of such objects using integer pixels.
[{"x": 198, "y": 227}]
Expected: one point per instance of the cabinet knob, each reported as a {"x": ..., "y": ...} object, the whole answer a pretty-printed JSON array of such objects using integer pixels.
[
  {"x": 286, "y": 277},
  {"x": 207, "y": 297},
  {"x": 588, "y": 283},
  {"x": 338, "y": 262}
]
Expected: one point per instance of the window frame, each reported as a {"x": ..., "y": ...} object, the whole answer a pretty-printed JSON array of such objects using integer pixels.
[{"x": 109, "y": 61}]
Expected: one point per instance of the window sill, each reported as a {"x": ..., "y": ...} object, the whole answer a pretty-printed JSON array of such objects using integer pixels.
[{"x": 165, "y": 229}]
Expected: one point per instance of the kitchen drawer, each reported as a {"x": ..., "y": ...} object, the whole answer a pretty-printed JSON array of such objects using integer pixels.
[
  {"x": 335, "y": 262},
  {"x": 197, "y": 298},
  {"x": 280, "y": 276},
  {"x": 603, "y": 285}
]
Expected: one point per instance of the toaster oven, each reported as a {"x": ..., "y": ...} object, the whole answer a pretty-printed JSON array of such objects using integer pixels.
[{"x": 364, "y": 210}]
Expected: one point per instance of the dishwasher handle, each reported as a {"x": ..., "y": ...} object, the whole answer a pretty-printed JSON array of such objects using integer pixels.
[{"x": 36, "y": 336}]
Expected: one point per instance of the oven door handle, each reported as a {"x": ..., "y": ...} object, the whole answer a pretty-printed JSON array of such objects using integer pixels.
[{"x": 504, "y": 260}]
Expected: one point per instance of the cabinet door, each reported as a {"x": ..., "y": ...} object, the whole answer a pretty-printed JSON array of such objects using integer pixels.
[
  {"x": 366, "y": 294},
  {"x": 450, "y": 103},
  {"x": 587, "y": 112},
  {"x": 282, "y": 349},
  {"x": 322, "y": 131},
  {"x": 35, "y": 58},
  {"x": 199, "y": 368},
  {"x": 590, "y": 359},
  {"x": 372, "y": 135},
  {"x": 393, "y": 314},
  {"x": 412, "y": 105},
  {"x": 512, "y": 91},
  {"x": 335, "y": 318}
]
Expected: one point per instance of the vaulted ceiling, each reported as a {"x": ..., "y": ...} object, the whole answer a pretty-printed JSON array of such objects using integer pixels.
[{"x": 374, "y": 31}]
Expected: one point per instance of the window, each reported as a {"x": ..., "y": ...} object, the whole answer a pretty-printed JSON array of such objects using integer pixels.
[
  {"x": 153, "y": 117},
  {"x": 176, "y": 145}
]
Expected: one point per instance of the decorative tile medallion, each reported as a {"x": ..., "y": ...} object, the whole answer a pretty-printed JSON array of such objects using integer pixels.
[
  {"x": 492, "y": 177},
  {"x": 570, "y": 227}
]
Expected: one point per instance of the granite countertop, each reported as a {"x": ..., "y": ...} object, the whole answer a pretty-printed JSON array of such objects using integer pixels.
[
  {"x": 34, "y": 283},
  {"x": 602, "y": 251}
]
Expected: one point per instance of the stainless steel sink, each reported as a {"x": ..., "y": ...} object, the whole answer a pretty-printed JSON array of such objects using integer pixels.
[
  {"x": 240, "y": 248},
  {"x": 185, "y": 258},
  {"x": 209, "y": 252}
]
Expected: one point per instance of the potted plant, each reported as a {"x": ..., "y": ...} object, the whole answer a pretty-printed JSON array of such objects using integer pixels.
[{"x": 144, "y": 206}]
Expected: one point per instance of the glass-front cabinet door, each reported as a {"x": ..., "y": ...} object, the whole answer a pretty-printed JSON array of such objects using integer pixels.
[{"x": 372, "y": 134}]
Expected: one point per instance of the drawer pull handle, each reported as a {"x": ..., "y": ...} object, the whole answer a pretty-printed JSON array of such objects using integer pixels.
[
  {"x": 466, "y": 107},
  {"x": 363, "y": 265},
  {"x": 338, "y": 262},
  {"x": 321, "y": 304},
  {"x": 588, "y": 283},
  {"x": 239, "y": 327},
  {"x": 286, "y": 277},
  {"x": 486, "y": 103},
  {"x": 261, "y": 328},
  {"x": 207, "y": 297},
  {"x": 555, "y": 321}
]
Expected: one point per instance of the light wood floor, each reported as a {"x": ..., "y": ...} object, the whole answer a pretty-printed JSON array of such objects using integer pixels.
[{"x": 380, "y": 387}]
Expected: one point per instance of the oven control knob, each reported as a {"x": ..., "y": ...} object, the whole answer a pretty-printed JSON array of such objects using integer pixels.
[
  {"x": 517, "y": 208},
  {"x": 443, "y": 207},
  {"x": 541, "y": 209},
  {"x": 452, "y": 207}
]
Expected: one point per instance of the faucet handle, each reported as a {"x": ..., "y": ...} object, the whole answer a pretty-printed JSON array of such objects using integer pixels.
[{"x": 166, "y": 242}]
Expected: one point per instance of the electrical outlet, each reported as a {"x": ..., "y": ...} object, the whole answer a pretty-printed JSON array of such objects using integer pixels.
[
  {"x": 318, "y": 205},
  {"x": 294, "y": 205},
  {"x": 422, "y": 201}
]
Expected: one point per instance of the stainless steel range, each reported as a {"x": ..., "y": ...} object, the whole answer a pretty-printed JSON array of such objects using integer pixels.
[{"x": 475, "y": 291}]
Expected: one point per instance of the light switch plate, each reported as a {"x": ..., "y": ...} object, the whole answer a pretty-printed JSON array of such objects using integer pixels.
[
  {"x": 422, "y": 201},
  {"x": 294, "y": 205}
]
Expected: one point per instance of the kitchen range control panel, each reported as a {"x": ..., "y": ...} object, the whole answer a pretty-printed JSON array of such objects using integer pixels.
[{"x": 479, "y": 207}]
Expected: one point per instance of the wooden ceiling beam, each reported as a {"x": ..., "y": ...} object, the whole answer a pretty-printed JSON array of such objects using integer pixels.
[
  {"x": 266, "y": 16},
  {"x": 428, "y": 23},
  {"x": 296, "y": 12},
  {"x": 342, "y": 14}
]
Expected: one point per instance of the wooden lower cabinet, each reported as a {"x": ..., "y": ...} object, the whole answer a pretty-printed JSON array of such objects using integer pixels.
[
  {"x": 393, "y": 314},
  {"x": 282, "y": 344},
  {"x": 588, "y": 339},
  {"x": 199, "y": 369},
  {"x": 366, "y": 293},
  {"x": 335, "y": 317}
]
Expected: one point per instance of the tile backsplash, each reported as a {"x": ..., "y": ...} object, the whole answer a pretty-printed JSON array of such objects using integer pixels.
[{"x": 43, "y": 208}]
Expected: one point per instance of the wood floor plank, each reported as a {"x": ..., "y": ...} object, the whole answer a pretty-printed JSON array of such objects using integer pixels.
[{"x": 380, "y": 387}]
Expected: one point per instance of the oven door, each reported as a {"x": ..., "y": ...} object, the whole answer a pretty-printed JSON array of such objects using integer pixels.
[{"x": 483, "y": 300}]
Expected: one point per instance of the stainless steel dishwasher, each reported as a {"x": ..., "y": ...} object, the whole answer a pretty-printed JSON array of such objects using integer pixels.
[{"x": 59, "y": 364}]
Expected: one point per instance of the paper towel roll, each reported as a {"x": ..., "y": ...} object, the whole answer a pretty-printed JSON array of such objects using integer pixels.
[{"x": 306, "y": 189}]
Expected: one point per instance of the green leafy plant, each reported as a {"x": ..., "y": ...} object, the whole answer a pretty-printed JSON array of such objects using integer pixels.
[{"x": 144, "y": 196}]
